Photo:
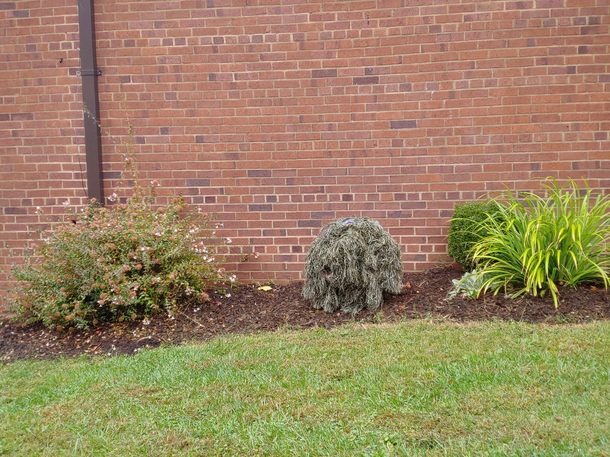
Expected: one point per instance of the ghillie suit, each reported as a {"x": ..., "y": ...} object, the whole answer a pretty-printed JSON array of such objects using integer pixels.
[{"x": 350, "y": 264}]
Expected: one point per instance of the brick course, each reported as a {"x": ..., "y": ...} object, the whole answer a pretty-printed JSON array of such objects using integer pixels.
[{"x": 282, "y": 115}]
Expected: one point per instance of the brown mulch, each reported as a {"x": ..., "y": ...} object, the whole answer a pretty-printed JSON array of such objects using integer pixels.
[{"x": 247, "y": 309}]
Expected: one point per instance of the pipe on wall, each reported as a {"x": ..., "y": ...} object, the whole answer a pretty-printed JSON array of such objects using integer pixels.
[{"x": 89, "y": 74}]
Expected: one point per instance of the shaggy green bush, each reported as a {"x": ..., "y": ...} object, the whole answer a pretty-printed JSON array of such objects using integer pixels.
[
  {"x": 466, "y": 229},
  {"x": 350, "y": 265},
  {"x": 124, "y": 262},
  {"x": 542, "y": 243}
]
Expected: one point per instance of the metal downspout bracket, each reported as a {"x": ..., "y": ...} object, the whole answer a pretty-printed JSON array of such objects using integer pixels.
[{"x": 89, "y": 74}]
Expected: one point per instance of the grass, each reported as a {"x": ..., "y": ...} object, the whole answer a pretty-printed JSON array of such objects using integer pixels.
[{"x": 417, "y": 388}]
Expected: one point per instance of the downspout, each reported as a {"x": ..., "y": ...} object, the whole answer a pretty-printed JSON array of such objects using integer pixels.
[{"x": 89, "y": 74}]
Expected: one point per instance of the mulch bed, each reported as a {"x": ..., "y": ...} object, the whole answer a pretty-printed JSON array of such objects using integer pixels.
[{"x": 247, "y": 309}]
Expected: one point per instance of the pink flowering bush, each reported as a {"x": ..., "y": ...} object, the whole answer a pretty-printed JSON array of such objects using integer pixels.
[{"x": 121, "y": 263}]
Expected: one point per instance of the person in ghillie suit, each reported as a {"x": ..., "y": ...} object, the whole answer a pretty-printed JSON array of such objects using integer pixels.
[{"x": 350, "y": 265}]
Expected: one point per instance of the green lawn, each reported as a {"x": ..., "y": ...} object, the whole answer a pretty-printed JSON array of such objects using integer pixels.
[{"x": 417, "y": 388}]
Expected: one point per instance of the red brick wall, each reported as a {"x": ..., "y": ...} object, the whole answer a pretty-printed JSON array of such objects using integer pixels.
[{"x": 282, "y": 115}]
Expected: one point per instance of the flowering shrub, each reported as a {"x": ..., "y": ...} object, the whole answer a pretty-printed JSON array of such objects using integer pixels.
[{"x": 119, "y": 263}]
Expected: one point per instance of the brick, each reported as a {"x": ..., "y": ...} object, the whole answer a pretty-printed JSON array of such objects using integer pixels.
[
  {"x": 281, "y": 116},
  {"x": 15, "y": 211},
  {"x": 366, "y": 80},
  {"x": 310, "y": 223},
  {"x": 197, "y": 182},
  {"x": 259, "y": 208},
  {"x": 326, "y": 73},
  {"x": 259, "y": 173},
  {"x": 405, "y": 124},
  {"x": 593, "y": 30},
  {"x": 323, "y": 215},
  {"x": 22, "y": 116}
]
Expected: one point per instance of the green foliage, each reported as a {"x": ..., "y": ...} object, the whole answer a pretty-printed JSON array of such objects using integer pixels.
[
  {"x": 417, "y": 388},
  {"x": 543, "y": 243},
  {"x": 469, "y": 284},
  {"x": 124, "y": 262},
  {"x": 465, "y": 230},
  {"x": 350, "y": 264}
]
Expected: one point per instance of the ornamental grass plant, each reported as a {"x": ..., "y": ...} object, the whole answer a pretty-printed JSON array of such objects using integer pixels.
[
  {"x": 124, "y": 262},
  {"x": 542, "y": 243}
]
